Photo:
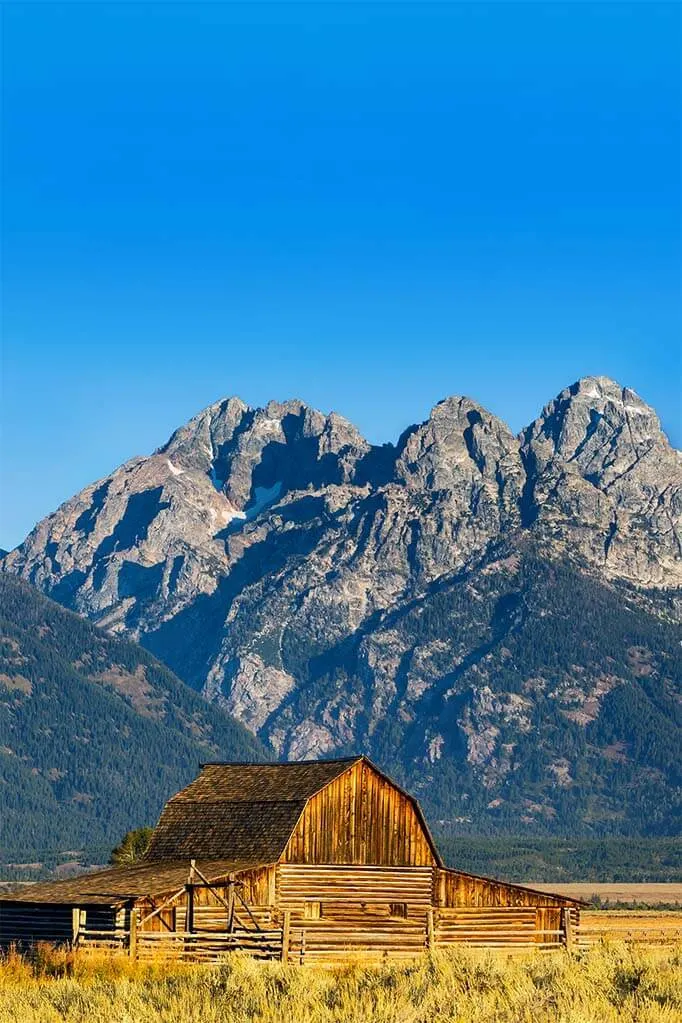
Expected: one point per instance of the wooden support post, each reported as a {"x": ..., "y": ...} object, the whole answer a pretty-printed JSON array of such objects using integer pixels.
[
  {"x": 568, "y": 928},
  {"x": 190, "y": 908},
  {"x": 430, "y": 929},
  {"x": 75, "y": 925},
  {"x": 302, "y": 955},
  {"x": 230, "y": 903},
  {"x": 132, "y": 940},
  {"x": 286, "y": 923}
]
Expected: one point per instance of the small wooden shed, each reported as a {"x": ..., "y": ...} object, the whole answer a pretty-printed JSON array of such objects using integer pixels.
[{"x": 311, "y": 861}]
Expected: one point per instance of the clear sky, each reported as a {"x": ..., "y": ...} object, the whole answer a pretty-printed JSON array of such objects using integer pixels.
[{"x": 366, "y": 206}]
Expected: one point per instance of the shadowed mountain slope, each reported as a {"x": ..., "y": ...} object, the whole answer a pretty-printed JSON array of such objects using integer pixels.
[{"x": 95, "y": 734}]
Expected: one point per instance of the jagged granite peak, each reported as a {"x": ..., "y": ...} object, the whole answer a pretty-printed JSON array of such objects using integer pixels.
[
  {"x": 283, "y": 446},
  {"x": 602, "y": 476},
  {"x": 602, "y": 428},
  {"x": 155, "y": 532},
  {"x": 331, "y": 594}
]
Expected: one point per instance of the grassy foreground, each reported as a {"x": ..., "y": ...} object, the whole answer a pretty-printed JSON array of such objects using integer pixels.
[{"x": 614, "y": 984}]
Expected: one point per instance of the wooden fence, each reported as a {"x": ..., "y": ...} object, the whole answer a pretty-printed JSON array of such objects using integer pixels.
[
  {"x": 337, "y": 940},
  {"x": 191, "y": 946}
]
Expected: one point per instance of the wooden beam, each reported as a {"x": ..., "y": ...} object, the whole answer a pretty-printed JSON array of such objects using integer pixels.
[
  {"x": 286, "y": 923},
  {"x": 430, "y": 929},
  {"x": 75, "y": 925},
  {"x": 132, "y": 940},
  {"x": 190, "y": 908},
  {"x": 230, "y": 903}
]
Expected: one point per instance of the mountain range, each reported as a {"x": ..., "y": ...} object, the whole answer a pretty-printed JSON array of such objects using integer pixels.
[{"x": 495, "y": 618}]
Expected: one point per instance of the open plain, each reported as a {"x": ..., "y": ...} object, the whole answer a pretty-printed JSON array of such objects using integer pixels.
[{"x": 641, "y": 894}]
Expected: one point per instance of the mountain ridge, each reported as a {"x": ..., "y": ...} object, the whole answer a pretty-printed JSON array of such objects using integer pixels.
[
  {"x": 95, "y": 734},
  {"x": 273, "y": 558}
]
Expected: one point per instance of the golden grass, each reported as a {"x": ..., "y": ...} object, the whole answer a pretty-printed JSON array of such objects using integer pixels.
[
  {"x": 608, "y": 984},
  {"x": 649, "y": 894}
]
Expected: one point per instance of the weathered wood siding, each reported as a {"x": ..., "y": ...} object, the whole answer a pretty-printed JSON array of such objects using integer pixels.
[
  {"x": 456, "y": 889},
  {"x": 360, "y": 818},
  {"x": 488, "y": 926}
]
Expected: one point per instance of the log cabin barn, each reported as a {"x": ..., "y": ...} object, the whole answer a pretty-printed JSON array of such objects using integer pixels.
[{"x": 316, "y": 861}]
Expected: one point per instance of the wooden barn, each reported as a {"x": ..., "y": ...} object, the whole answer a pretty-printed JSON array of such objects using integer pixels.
[{"x": 307, "y": 862}]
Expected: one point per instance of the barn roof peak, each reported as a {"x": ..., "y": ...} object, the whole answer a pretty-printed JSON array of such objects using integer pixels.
[
  {"x": 264, "y": 781},
  {"x": 250, "y": 808}
]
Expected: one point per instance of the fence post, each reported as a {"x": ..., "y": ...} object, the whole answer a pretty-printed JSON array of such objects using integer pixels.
[
  {"x": 75, "y": 925},
  {"x": 568, "y": 928},
  {"x": 132, "y": 940},
  {"x": 302, "y": 955},
  {"x": 189, "y": 923},
  {"x": 430, "y": 929},
  {"x": 230, "y": 902},
  {"x": 285, "y": 935}
]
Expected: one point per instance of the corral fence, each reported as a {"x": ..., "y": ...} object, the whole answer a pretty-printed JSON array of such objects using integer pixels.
[
  {"x": 329, "y": 941},
  {"x": 335, "y": 941},
  {"x": 191, "y": 946}
]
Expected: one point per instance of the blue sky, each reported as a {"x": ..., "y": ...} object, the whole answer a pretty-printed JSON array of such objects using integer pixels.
[{"x": 366, "y": 206}]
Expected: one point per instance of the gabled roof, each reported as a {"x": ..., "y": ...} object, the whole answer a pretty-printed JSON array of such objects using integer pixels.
[
  {"x": 118, "y": 884},
  {"x": 247, "y": 811}
]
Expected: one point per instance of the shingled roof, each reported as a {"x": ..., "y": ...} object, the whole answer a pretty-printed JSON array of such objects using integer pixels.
[
  {"x": 245, "y": 811},
  {"x": 263, "y": 783},
  {"x": 115, "y": 885}
]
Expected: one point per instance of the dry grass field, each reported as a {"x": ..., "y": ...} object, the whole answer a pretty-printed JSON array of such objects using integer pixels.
[
  {"x": 644, "y": 894},
  {"x": 608, "y": 984},
  {"x": 652, "y": 927}
]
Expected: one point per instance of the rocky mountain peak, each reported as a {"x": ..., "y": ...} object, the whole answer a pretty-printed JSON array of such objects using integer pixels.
[
  {"x": 284, "y": 446},
  {"x": 459, "y": 441},
  {"x": 602, "y": 476},
  {"x": 598, "y": 419}
]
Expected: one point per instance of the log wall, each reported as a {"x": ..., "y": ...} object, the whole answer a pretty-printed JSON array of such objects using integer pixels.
[
  {"x": 489, "y": 927},
  {"x": 25, "y": 923},
  {"x": 353, "y": 886}
]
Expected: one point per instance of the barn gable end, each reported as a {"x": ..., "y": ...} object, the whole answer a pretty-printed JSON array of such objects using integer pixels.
[{"x": 363, "y": 818}]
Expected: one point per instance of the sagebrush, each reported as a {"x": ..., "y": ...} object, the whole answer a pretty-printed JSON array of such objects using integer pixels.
[{"x": 609, "y": 984}]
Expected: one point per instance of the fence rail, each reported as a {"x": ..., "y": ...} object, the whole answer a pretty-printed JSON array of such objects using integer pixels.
[
  {"x": 336, "y": 942},
  {"x": 189, "y": 945}
]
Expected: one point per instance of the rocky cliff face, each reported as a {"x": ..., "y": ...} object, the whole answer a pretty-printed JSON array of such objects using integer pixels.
[
  {"x": 603, "y": 480},
  {"x": 332, "y": 594}
]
